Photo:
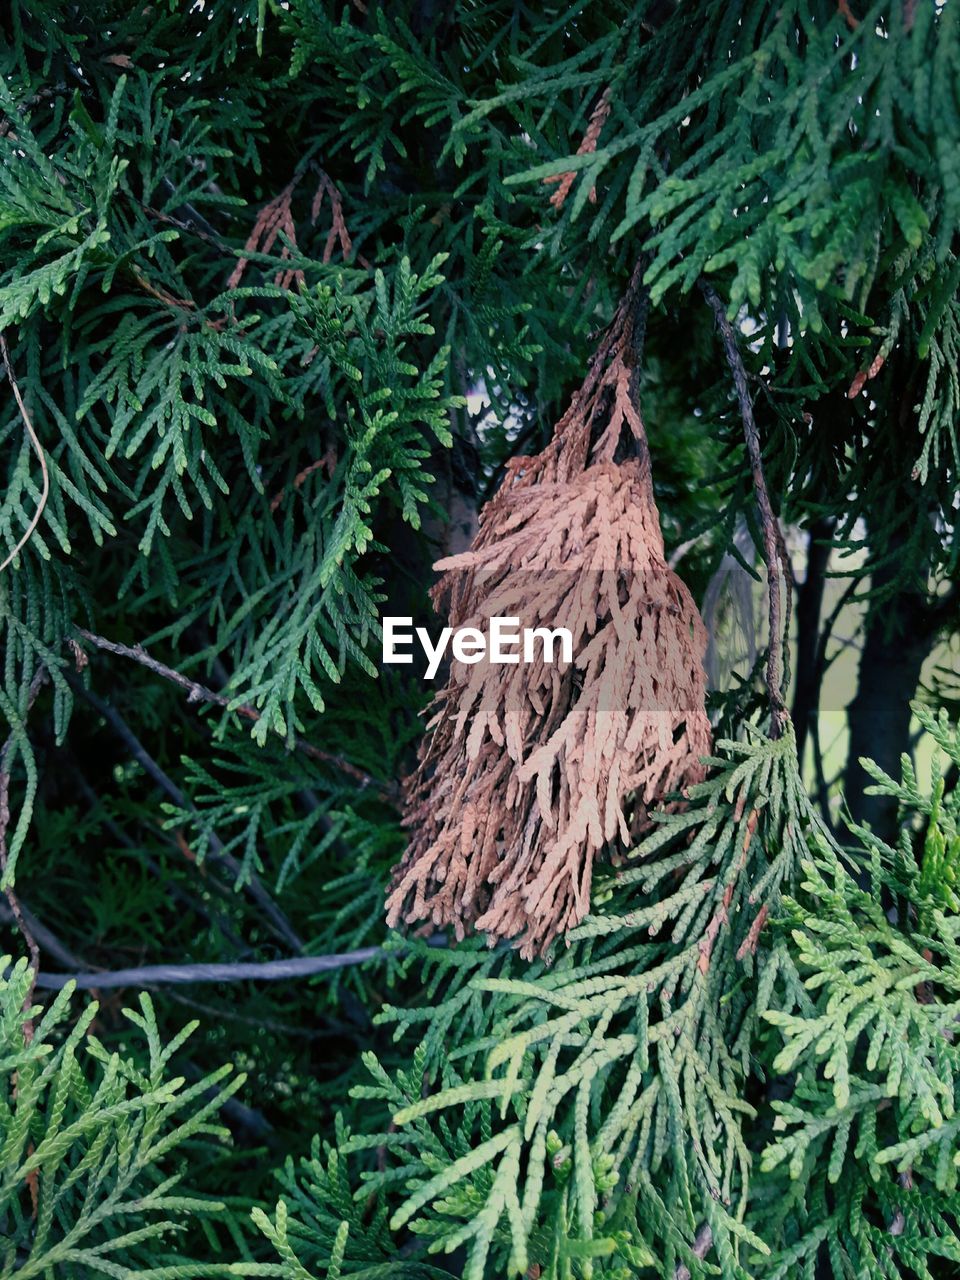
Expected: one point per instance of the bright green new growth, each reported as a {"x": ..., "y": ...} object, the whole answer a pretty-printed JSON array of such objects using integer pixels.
[{"x": 89, "y": 1182}]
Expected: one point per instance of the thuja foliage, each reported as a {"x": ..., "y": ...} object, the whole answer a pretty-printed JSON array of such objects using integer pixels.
[
  {"x": 90, "y": 1184},
  {"x": 282, "y": 288},
  {"x": 588, "y": 1117}
]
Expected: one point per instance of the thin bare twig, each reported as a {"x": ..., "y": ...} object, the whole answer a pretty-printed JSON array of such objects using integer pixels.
[
  {"x": 32, "y": 436},
  {"x": 234, "y": 1110},
  {"x": 276, "y": 918},
  {"x": 197, "y": 692},
  {"x": 46, "y": 940},
  {"x": 52, "y": 945},
  {"x": 774, "y": 551},
  {"x": 240, "y": 971}
]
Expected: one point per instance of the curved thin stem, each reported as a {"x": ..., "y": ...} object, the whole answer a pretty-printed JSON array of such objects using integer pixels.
[
  {"x": 32, "y": 436},
  {"x": 774, "y": 552}
]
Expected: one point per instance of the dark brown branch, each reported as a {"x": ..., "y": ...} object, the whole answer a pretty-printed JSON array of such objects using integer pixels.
[
  {"x": 806, "y": 699},
  {"x": 276, "y": 918},
  {"x": 197, "y": 692},
  {"x": 774, "y": 551}
]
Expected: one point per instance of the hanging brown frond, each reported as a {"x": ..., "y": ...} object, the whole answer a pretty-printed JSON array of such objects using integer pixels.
[{"x": 529, "y": 771}]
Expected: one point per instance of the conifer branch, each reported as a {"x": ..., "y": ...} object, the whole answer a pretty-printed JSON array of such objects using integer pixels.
[
  {"x": 588, "y": 146},
  {"x": 167, "y": 975},
  {"x": 276, "y": 918},
  {"x": 737, "y": 1032},
  {"x": 36, "y": 684},
  {"x": 38, "y": 450},
  {"x": 205, "y": 912},
  {"x": 774, "y": 551},
  {"x": 197, "y": 692}
]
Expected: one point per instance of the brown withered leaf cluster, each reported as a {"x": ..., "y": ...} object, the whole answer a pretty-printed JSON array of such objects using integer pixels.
[
  {"x": 588, "y": 146},
  {"x": 276, "y": 218},
  {"x": 529, "y": 771}
]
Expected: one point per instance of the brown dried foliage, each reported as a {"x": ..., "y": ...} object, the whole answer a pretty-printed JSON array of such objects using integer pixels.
[
  {"x": 598, "y": 119},
  {"x": 276, "y": 216},
  {"x": 864, "y": 376},
  {"x": 528, "y": 772},
  {"x": 338, "y": 227}
]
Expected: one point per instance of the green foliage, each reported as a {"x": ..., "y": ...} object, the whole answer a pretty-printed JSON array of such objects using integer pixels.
[
  {"x": 259, "y": 264},
  {"x": 868, "y": 1139},
  {"x": 586, "y": 1117},
  {"x": 91, "y": 1141},
  {"x": 173, "y": 393}
]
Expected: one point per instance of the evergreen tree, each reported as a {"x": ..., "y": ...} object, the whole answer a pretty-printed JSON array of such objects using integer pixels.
[{"x": 284, "y": 287}]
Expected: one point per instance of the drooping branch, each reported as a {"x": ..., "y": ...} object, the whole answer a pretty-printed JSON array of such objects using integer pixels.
[
  {"x": 809, "y": 604},
  {"x": 197, "y": 692},
  {"x": 774, "y": 551}
]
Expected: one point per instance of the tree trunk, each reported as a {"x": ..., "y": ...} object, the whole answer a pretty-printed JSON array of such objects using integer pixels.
[{"x": 806, "y": 696}]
